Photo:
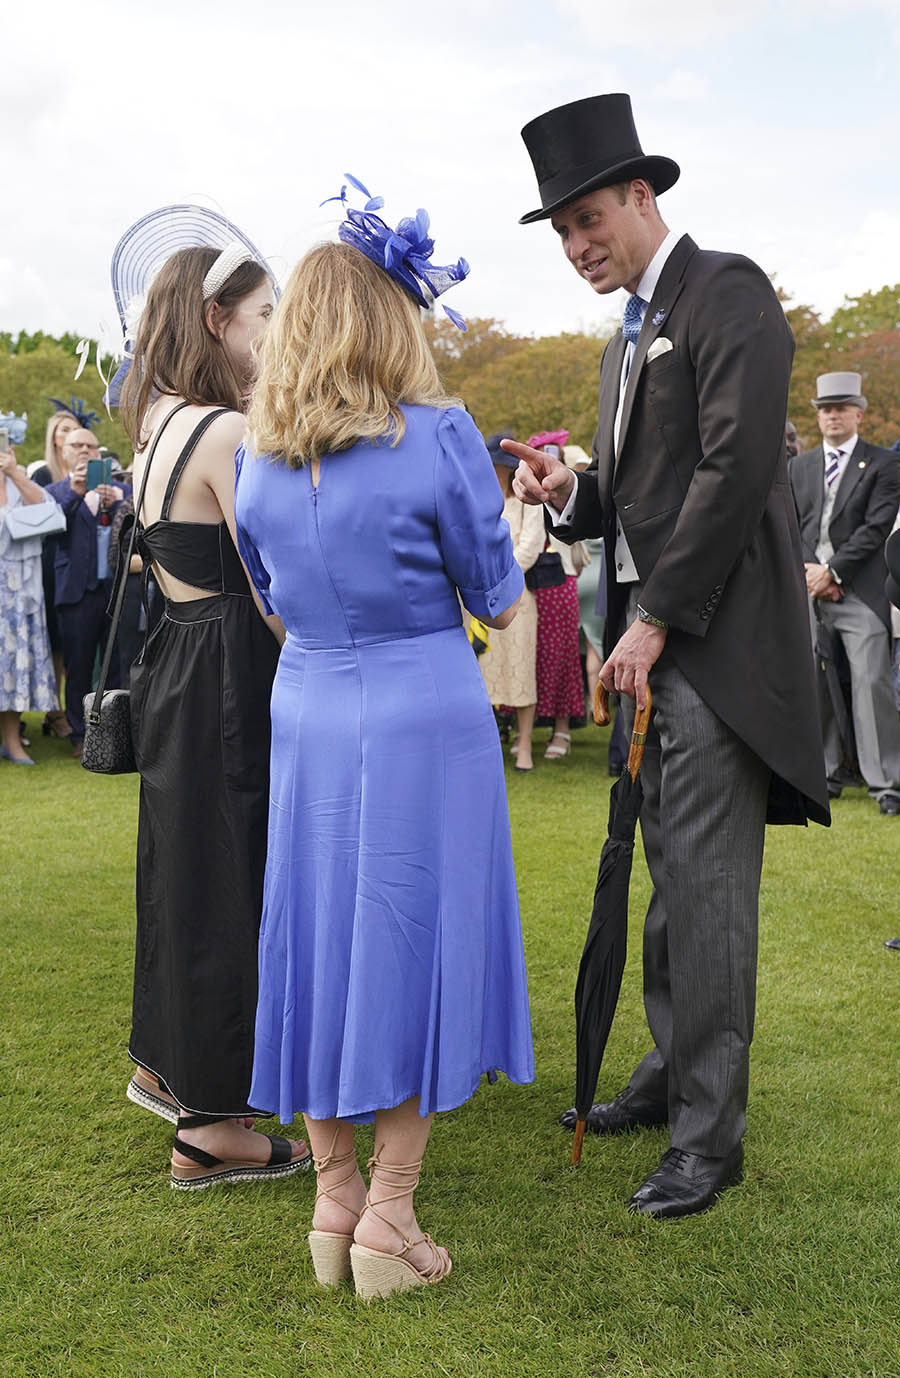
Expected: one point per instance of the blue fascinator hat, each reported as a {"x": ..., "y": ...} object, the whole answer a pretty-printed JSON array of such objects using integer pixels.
[
  {"x": 404, "y": 253},
  {"x": 77, "y": 407}
]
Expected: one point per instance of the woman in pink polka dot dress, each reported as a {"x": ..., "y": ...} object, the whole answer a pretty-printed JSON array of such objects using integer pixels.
[{"x": 560, "y": 688}]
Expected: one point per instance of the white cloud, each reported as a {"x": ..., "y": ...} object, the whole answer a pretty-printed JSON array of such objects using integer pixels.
[{"x": 262, "y": 112}]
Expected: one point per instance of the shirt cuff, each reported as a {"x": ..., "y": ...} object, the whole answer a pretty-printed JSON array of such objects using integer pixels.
[
  {"x": 491, "y": 602},
  {"x": 564, "y": 518}
]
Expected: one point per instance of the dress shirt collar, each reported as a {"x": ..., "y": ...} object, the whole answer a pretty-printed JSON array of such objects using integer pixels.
[
  {"x": 647, "y": 285},
  {"x": 845, "y": 450}
]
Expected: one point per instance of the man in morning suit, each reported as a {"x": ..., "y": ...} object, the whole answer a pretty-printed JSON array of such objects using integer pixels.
[
  {"x": 847, "y": 494},
  {"x": 689, "y": 487}
]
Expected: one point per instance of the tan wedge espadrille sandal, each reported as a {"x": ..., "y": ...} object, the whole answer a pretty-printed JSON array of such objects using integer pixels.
[
  {"x": 330, "y": 1251},
  {"x": 377, "y": 1273}
]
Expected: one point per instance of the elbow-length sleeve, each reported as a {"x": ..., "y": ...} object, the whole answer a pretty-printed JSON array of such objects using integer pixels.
[
  {"x": 531, "y": 535},
  {"x": 246, "y": 547},
  {"x": 475, "y": 540}
]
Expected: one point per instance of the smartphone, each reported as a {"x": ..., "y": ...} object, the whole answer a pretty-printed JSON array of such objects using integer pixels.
[
  {"x": 98, "y": 471},
  {"x": 553, "y": 450},
  {"x": 4, "y": 440}
]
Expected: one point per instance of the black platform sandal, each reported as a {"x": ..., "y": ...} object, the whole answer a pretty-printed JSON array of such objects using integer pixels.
[{"x": 211, "y": 1170}]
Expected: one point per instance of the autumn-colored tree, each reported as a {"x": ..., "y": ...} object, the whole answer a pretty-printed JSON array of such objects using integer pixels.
[
  {"x": 462, "y": 354},
  {"x": 541, "y": 385}
]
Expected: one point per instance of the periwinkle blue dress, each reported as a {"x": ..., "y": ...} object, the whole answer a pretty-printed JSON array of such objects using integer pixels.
[{"x": 390, "y": 954}]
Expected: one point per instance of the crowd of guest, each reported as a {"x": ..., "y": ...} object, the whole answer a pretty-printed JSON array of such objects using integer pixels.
[
  {"x": 60, "y": 621},
  {"x": 539, "y": 671}
]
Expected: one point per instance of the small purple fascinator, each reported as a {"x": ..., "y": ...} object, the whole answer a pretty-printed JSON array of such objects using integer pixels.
[
  {"x": 404, "y": 253},
  {"x": 77, "y": 407}
]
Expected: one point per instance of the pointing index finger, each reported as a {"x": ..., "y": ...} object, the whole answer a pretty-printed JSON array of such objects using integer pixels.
[{"x": 535, "y": 459}]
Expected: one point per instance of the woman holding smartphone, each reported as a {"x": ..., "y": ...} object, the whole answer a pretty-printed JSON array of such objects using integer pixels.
[{"x": 26, "y": 675}]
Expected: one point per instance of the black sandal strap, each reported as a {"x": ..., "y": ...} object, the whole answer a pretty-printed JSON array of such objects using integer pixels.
[
  {"x": 281, "y": 1150},
  {"x": 197, "y": 1155}
]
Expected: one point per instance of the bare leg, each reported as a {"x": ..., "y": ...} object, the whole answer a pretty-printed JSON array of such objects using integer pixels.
[
  {"x": 401, "y": 1136},
  {"x": 559, "y": 743},
  {"x": 9, "y": 728},
  {"x": 338, "y": 1212},
  {"x": 525, "y": 725}
]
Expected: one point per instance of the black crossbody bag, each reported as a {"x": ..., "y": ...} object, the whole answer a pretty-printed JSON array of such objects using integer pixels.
[{"x": 108, "y": 745}]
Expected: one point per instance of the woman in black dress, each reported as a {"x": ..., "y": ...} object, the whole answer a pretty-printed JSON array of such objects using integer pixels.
[{"x": 200, "y": 716}]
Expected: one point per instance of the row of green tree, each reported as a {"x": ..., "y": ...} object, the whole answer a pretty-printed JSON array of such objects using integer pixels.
[{"x": 524, "y": 383}]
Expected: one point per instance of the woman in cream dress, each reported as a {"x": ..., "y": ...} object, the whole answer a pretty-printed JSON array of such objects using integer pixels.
[{"x": 509, "y": 665}]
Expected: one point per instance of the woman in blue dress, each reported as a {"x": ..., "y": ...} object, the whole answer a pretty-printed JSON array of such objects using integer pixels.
[{"x": 391, "y": 967}]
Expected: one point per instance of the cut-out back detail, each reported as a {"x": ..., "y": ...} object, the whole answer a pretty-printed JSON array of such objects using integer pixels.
[{"x": 200, "y": 554}]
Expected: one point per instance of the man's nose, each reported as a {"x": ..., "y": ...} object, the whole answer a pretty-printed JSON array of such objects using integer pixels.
[{"x": 575, "y": 244}]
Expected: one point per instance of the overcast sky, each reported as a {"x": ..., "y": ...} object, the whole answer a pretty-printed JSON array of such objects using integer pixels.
[{"x": 783, "y": 114}]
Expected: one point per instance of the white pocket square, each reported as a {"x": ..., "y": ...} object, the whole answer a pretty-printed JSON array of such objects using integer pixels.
[{"x": 659, "y": 346}]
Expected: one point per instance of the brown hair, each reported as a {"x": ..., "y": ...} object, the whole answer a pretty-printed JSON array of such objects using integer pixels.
[
  {"x": 175, "y": 351},
  {"x": 344, "y": 350}
]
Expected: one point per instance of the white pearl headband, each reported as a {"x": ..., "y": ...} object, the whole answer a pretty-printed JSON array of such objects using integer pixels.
[{"x": 231, "y": 257}]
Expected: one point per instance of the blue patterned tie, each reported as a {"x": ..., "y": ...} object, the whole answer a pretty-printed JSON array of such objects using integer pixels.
[
  {"x": 633, "y": 318},
  {"x": 831, "y": 468}
]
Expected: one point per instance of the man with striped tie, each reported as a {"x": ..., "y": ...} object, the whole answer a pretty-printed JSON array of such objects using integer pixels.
[{"x": 847, "y": 494}]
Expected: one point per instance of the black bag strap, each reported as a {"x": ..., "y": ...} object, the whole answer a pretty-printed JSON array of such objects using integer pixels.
[
  {"x": 122, "y": 577},
  {"x": 179, "y": 465}
]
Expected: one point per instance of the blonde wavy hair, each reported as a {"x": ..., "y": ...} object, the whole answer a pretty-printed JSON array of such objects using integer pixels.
[
  {"x": 53, "y": 456},
  {"x": 344, "y": 350}
]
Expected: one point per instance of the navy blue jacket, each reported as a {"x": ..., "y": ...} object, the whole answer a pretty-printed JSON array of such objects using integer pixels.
[{"x": 76, "y": 551}]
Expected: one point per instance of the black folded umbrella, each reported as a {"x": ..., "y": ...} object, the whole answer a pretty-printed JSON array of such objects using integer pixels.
[{"x": 603, "y": 959}]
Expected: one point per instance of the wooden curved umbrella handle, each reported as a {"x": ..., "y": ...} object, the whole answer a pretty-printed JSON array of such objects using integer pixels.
[{"x": 639, "y": 731}]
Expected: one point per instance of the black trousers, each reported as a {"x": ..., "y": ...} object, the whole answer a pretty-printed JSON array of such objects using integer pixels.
[{"x": 84, "y": 626}]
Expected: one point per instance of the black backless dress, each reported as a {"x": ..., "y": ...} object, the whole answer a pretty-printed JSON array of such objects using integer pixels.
[{"x": 200, "y": 718}]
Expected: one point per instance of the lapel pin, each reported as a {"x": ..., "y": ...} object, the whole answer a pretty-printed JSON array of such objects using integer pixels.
[
  {"x": 659, "y": 318},
  {"x": 862, "y": 464}
]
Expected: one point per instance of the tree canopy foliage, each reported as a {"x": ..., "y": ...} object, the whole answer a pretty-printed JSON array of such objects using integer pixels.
[
  {"x": 34, "y": 368},
  {"x": 518, "y": 382}
]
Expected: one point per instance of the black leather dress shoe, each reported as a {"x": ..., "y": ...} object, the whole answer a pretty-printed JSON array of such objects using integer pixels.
[
  {"x": 629, "y": 1110},
  {"x": 834, "y": 791},
  {"x": 893, "y": 943},
  {"x": 687, "y": 1183},
  {"x": 890, "y": 803}
]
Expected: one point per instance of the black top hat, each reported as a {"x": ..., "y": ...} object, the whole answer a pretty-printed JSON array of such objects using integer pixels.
[
  {"x": 587, "y": 144},
  {"x": 892, "y": 557}
]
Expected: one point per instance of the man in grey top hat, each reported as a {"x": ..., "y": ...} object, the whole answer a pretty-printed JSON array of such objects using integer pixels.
[
  {"x": 847, "y": 494},
  {"x": 689, "y": 487}
]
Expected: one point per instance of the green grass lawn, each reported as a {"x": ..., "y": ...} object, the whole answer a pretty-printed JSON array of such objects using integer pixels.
[{"x": 105, "y": 1271}]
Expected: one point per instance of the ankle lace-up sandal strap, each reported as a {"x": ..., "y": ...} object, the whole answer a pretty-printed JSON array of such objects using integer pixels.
[
  {"x": 329, "y": 1163},
  {"x": 378, "y": 1273},
  {"x": 330, "y": 1251}
]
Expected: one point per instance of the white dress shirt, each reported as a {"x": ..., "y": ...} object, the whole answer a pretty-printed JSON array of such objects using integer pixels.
[
  {"x": 626, "y": 570},
  {"x": 825, "y": 550}
]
